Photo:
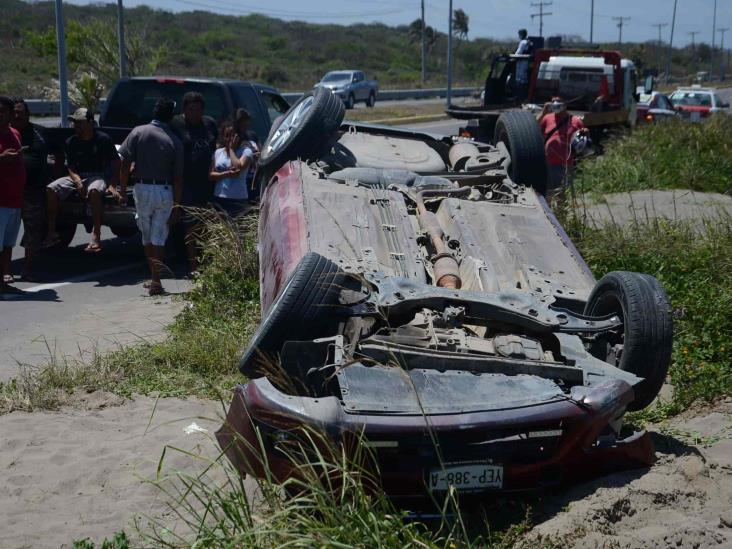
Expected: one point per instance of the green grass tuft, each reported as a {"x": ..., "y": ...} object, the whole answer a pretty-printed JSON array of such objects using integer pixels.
[{"x": 671, "y": 155}]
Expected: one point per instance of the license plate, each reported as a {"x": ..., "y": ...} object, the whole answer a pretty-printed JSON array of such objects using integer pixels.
[{"x": 466, "y": 478}]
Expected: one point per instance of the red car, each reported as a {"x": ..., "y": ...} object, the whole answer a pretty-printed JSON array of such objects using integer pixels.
[
  {"x": 654, "y": 107},
  {"x": 419, "y": 293}
]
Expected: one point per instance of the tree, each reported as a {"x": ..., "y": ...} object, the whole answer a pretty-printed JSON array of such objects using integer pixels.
[
  {"x": 415, "y": 31},
  {"x": 460, "y": 21},
  {"x": 92, "y": 48}
]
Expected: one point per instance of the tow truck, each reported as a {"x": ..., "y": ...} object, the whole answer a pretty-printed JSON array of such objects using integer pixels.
[{"x": 599, "y": 86}]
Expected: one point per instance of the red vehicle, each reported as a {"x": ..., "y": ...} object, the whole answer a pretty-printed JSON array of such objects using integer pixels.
[
  {"x": 413, "y": 294},
  {"x": 655, "y": 107}
]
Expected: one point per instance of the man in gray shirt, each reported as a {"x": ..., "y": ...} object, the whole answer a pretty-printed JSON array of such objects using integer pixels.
[{"x": 157, "y": 154}]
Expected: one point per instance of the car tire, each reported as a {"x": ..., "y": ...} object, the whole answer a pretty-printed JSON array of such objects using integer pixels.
[
  {"x": 371, "y": 101},
  {"x": 350, "y": 101},
  {"x": 521, "y": 134},
  {"x": 647, "y": 338},
  {"x": 302, "y": 311},
  {"x": 305, "y": 131}
]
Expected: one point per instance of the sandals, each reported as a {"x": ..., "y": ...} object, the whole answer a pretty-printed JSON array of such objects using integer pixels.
[
  {"x": 153, "y": 288},
  {"x": 93, "y": 247}
]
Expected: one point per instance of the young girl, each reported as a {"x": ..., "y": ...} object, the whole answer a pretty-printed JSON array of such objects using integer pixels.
[{"x": 229, "y": 169}]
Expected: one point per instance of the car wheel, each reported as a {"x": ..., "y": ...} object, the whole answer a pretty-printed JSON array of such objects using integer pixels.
[
  {"x": 301, "y": 312},
  {"x": 521, "y": 134},
  {"x": 371, "y": 101},
  {"x": 644, "y": 346},
  {"x": 66, "y": 234},
  {"x": 305, "y": 131},
  {"x": 350, "y": 101}
]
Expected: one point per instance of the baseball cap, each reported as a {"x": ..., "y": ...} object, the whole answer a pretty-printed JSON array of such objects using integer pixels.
[{"x": 81, "y": 114}]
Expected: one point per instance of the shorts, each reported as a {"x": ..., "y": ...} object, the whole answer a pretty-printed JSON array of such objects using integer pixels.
[
  {"x": 64, "y": 187},
  {"x": 153, "y": 204},
  {"x": 33, "y": 214},
  {"x": 9, "y": 226}
]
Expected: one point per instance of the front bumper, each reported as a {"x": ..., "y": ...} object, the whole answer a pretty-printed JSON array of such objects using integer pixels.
[{"x": 407, "y": 448}]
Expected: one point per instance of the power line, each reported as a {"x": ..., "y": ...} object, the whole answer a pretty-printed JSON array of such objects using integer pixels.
[
  {"x": 714, "y": 33},
  {"x": 621, "y": 21},
  {"x": 424, "y": 48},
  {"x": 659, "y": 26},
  {"x": 541, "y": 15},
  {"x": 671, "y": 43},
  {"x": 592, "y": 18},
  {"x": 693, "y": 43}
]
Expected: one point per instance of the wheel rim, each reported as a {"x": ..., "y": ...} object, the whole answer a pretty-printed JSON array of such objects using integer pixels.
[{"x": 292, "y": 121}]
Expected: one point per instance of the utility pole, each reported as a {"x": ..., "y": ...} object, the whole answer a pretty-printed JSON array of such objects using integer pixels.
[
  {"x": 63, "y": 84},
  {"x": 592, "y": 18},
  {"x": 541, "y": 15},
  {"x": 659, "y": 26},
  {"x": 714, "y": 33},
  {"x": 721, "y": 51},
  {"x": 671, "y": 43},
  {"x": 121, "y": 39},
  {"x": 424, "y": 48},
  {"x": 449, "y": 56},
  {"x": 621, "y": 21},
  {"x": 693, "y": 48}
]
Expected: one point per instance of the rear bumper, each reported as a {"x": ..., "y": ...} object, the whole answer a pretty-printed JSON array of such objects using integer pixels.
[{"x": 405, "y": 450}]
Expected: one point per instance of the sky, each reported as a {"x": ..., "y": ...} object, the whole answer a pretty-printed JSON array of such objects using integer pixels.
[{"x": 490, "y": 18}]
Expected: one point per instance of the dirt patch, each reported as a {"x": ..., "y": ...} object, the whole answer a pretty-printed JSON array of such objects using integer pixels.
[
  {"x": 80, "y": 472},
  {"x": 682, "y": 501}
]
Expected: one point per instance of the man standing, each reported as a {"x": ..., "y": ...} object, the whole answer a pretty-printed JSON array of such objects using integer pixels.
[
  {"x": 522, "y": 67},
  {"x": 158, "y": 157},
  {"x": 198, "y": 134},
  {"x": 12, "y": 181},
  {"x": 33, "y": 212},
  {"x": 559, "y": 127},
  {"x": 91, "y": 159}
]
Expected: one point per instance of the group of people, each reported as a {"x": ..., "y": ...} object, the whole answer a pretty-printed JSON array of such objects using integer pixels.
[{"x": 173, "y": 165}]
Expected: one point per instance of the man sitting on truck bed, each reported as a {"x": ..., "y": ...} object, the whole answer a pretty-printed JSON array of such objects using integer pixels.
[{"x": 91, "y": 160}]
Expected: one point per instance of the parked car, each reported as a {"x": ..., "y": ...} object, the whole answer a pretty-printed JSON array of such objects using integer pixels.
[
  {"x": 418, "y": 295},
  {"x": 695, "y": 102},
  {"x": 654, "y": 107},
  {"x": 351, "y": 86},
  {"x": 130, "y": 103}
]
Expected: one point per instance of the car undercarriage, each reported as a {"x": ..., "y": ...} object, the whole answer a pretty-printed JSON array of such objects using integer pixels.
[{"x": 419, "y": 298}]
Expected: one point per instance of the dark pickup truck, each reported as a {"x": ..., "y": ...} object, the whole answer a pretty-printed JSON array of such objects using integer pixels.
[{"x": 130, "y": 103}]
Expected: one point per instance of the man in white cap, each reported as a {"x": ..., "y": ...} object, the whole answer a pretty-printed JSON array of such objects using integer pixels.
[{"x": 92, "y": 161}]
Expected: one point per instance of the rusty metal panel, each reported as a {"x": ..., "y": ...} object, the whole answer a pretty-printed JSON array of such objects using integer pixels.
[
  {"x": 515, "y": 246},
  {"x": 361, "y": 229}
]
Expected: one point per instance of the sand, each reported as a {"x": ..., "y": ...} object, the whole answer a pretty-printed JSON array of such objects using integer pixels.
[{"x": 79, "y": 472}]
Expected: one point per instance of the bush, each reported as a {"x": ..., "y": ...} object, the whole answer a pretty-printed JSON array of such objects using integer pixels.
[
  {"x": 671, "y": 155},
  {"x": 695, "y": 267}
]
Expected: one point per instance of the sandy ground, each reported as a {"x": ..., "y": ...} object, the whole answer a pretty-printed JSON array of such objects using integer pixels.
[
  {"x": 80, "y": 472},
  {"x": 684, "y": 500}
]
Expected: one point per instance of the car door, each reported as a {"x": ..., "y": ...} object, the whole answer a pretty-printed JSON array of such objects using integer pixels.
[{"x": 359, "y": 84}]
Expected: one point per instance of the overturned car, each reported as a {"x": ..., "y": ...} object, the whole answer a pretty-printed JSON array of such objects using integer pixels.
[{"x": 418, "y": 292}]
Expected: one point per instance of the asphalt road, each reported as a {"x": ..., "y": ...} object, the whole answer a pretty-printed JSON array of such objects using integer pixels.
[{"x": 83, "y": 303}]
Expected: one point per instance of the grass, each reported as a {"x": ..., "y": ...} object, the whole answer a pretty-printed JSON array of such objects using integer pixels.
[
  {"x": 695, "y": 268},
  {"x": 671, "y": 155},
  {"x": 198, "y": 357}
]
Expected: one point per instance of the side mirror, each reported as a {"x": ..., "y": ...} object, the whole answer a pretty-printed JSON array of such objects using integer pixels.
[{"x": 648, "y": 85}]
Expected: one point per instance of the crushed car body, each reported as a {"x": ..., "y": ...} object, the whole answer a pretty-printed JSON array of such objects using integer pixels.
[{"x": 418, "y": 295}]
